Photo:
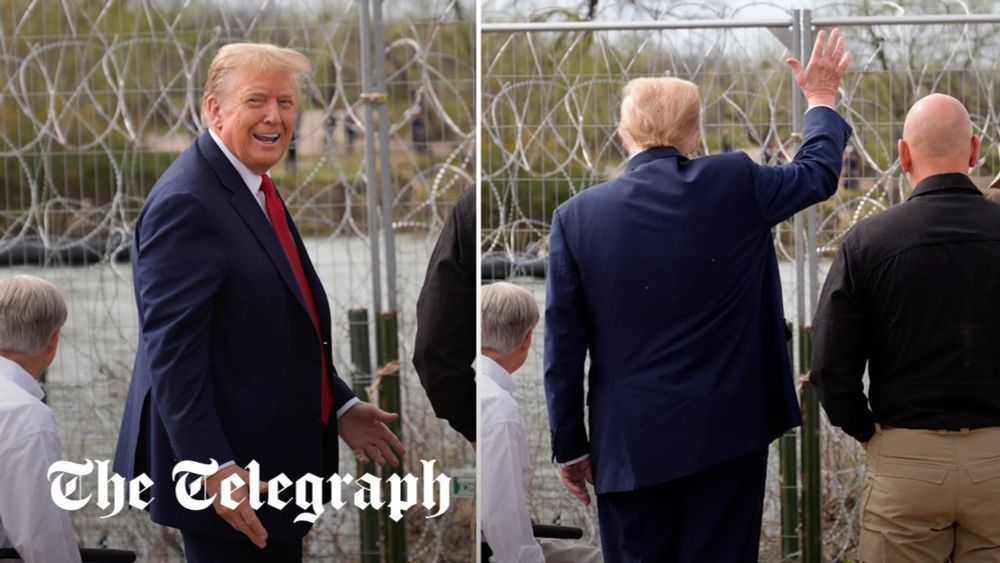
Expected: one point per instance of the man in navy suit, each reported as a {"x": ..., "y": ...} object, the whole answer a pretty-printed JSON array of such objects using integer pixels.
[
  {"x": 233, "y": 360},
  {"x": 667, "y": 276}
]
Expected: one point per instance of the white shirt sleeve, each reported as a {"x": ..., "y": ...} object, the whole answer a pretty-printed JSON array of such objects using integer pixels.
[
  {"x": 347, "y": 406},
  {"x": 39, "y": 530},
  {"x": 506, "y": 525},
  {"x": 814, "y": 106}
]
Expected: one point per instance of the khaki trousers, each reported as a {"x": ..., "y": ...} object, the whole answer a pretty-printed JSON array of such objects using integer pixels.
[{"x": 931, "y": 496}]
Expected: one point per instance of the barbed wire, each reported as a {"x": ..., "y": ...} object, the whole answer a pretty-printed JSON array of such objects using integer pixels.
[
  {"x": 550, "y": 105},
  {"x": 97, "y": 99}
]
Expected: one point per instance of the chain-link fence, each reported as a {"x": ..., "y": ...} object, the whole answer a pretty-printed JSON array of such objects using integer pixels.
[
  {"x": 550, "y": 101},
  {"x": 97, "y": 99}
]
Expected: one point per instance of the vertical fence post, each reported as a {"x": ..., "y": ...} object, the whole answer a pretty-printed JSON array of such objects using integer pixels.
[
  {"x": 812, "y": 482},
  {"x": 798, "y": 109},
  {"x": 812, "y": 545},
  {"x": 386, "y": 323},
  {"x": 389, "y": 400},
  {"x": 789, "y": 485},
  {"x": 370, "y": 169},
  {"x": 361, "y": 379},
  {"x": 388, "y": 193}
]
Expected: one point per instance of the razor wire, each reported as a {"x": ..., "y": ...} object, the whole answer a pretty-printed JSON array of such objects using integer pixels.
[
  {"x": 550, "y": 101},
  {"x": 98, "y": 98}
]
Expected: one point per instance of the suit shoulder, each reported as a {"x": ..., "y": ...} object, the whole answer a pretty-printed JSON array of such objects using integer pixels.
[
  {"x": 594, "y": 195},
  {"x": 185, "y": 175},
  {"x": 733, "y": 160}
]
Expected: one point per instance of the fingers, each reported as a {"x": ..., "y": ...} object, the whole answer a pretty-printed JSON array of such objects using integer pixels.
[
  {"x": 844, "y": 63},
  {"x": 820, "y": 43},
  {"x": 386, "y": 417},
  {"x": 374, "y": 453},
  {"x": 795, "y": 64},
  {"x": 385, "y": 442},
  {"x": 838, "y": 48},
  {"x": 381, "y": 450},
  {"x": 244, "y": 520},
  {"x": 574, "y": 478},
  {"x": 253, "y": 529},
  {"x": 395, "y": 443},
  {"x": 576, "y": 488}
]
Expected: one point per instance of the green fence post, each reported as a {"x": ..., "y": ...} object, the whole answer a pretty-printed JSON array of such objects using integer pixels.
[
  {"x": 812, "y": 545},
  {"x": 389, "y": 400},
  {"x": 361, "y": 378},
  {"x": 789, "y": 463}
]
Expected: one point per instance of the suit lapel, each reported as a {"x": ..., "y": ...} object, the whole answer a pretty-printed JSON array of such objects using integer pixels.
[{"x": 251, "y": 213}]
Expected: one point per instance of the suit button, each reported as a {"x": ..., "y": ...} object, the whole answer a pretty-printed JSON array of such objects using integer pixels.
[
  {"x": 314, "y": 416},
  {"x": 315, "y": 360}
]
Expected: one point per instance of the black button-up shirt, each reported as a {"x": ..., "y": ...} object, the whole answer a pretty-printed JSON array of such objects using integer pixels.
[
  {"x": 446, "y": 320},
  {"x": 915, "y": 293}
]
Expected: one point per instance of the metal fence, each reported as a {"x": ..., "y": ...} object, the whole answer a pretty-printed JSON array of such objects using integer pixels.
[
  {"x": 551, "y": 90},
  {"x": 96, "y": 100}
]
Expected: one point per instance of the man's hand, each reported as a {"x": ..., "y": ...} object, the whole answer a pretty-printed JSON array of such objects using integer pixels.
[
  {"x": 364, "y": 429},
  {"x": 820, "y": 80},
  {"x": 243, "y": 519},
  {"x": 575, "y": 478}
]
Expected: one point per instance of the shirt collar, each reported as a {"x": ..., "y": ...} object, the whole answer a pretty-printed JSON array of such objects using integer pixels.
[
  {"x": 939, "y": 182},
  {"x": 495, "y": 371},
  {"x": 252, "y": 180},
  {"x": 13, "y": 372},
  {"x": 654, "y": 153}
]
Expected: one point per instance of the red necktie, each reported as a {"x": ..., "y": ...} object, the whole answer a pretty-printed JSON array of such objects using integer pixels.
[{"x": 276, "y": 212}]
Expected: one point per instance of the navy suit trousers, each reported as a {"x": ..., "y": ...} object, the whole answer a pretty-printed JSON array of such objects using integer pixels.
[
  {"x": 203, "y": 548},
  {"x": 711, "y": 515}
]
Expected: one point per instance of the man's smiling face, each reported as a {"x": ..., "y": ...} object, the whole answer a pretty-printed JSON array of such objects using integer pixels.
[{"x": 255, "y": 116}]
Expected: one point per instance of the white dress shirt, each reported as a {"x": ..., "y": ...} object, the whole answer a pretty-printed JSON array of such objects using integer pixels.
[
  {"x": 29, "y": 442},
  {"x": 505, "y": 468},
  {"x": 253, "y": 182}
]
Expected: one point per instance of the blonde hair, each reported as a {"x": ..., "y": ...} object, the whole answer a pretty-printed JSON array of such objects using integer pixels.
[
  {"x": 31, "y": 309},
  {"x": 509, "y": 312},
  {"x": 660, "y": 112},
  {"x": 260, "y": 56}
]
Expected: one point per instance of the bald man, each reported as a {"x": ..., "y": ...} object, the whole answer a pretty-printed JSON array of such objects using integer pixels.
[{"x": 914, "y": 293}]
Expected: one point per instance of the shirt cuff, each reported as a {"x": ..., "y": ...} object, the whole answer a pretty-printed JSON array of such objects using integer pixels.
[
  {"x": 814, "y": 106},
  {"x": 577, "y": 460},
  {"x": 347, "y": 406}
]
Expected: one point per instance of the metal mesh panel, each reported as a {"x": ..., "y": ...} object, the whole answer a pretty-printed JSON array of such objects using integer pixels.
[
  {"x": 97, "y": 99},
  {"x": 550, "y": 102}
]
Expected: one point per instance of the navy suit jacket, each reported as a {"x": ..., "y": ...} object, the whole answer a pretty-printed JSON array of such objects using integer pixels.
[
  {"x": 228, "y": 364},
  {"x": 667, "y": 276}
]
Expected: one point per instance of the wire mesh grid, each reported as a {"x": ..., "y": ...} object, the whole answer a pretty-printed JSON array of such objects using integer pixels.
[
  {"x": 97, "y": 99},
  {"x": 550, "y": 103}
]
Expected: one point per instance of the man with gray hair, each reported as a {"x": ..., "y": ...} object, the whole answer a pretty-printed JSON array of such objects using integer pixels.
[
  {"x": 914, "y": 294},
  {"x": 509, "y": 316},
  {"x": 32, "y": 313}
]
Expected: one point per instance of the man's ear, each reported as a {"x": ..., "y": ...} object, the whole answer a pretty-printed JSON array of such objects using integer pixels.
[
  {"x": 214, "y": 112},
  {"x": 54, "y": 341},
  {"x": 526, "y": 343},
  {"x": 974, "y": 151},
  {"x": 905, "y": 159}
]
